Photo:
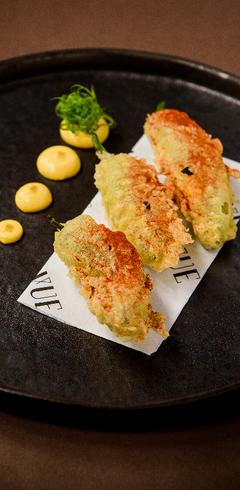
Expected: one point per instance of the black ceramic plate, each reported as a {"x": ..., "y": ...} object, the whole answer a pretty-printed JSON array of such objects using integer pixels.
[{"x": 42, "y": 358}]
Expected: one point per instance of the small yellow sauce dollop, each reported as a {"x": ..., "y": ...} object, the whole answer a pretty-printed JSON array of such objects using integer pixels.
[
  {"x": 84, "y": 140},
  {"x": 33, "y": 197},
  {"x": 58, "y": 163},
  {"x": 10, "y": 231}
]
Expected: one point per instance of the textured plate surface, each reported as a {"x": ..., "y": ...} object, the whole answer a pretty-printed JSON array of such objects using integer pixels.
[{"x": 42, "y": 358}]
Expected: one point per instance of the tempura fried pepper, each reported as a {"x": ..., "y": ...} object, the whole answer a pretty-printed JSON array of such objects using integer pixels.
[
  {"x": 140, "y": 206},
  {"x": 193, "y": 163},
  {"x": 111, "y": 275}
]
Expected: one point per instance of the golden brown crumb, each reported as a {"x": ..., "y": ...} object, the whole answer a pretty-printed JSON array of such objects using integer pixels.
[
  {"x": 111, "y": 275},
  {"x": 193, "y": 163},
  {"x": 140, "y": 206},
  {"x": 233, "y": 172}
]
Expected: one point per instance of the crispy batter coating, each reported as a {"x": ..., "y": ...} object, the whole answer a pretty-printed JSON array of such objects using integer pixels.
[
  {"x": 111, "y": 275},
  {"x": 233, "y": 172},
  {"x": 192, "y": 160},
  {"x": 140, "y": 206}
]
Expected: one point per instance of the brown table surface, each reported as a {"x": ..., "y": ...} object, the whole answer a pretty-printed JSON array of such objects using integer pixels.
[{"x": 204, "y": 454}]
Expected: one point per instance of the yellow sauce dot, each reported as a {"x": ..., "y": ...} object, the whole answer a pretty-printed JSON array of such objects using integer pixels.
[
  {"x": 58, "y": 163},
  {"x": 10, "y": 231},
  {"x": 84, "y": 140},
  {"x": 33, "y": 197}
]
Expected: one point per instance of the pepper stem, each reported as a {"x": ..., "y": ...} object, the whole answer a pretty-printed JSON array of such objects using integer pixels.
[
  {"x": 161, "y": 106},
  {"x": 97, "y": 144},
  {"x": 53, "y": 222}
]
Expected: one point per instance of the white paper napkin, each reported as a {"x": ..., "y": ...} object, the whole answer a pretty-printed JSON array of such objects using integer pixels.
[{"x": 52, "y": 292}]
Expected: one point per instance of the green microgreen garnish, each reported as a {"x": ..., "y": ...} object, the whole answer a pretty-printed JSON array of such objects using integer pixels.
[
  {"x": 187, "y": 171},
  {"x": 53, "y": 222},
  {"x": 80, "y": 110},
  {"x": 161, "y": 106}
]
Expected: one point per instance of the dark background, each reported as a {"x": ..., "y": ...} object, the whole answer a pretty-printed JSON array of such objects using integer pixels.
[
  {"x": 199, "y": 449},
  {"x": 206, "y": 31}
]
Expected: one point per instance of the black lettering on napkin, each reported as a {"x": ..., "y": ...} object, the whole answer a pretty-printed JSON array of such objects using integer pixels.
[
  {"x": 187, "y": 268},
  {"x": 236, "y": 215},
  {"x": 42, "y": 292}
]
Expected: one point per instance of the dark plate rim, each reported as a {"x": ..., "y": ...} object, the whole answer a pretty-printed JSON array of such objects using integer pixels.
[
  {"x": 187, "y": 400},
  {"x": 213, "y": 77},
  {"x": 32, "y": 65}
]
